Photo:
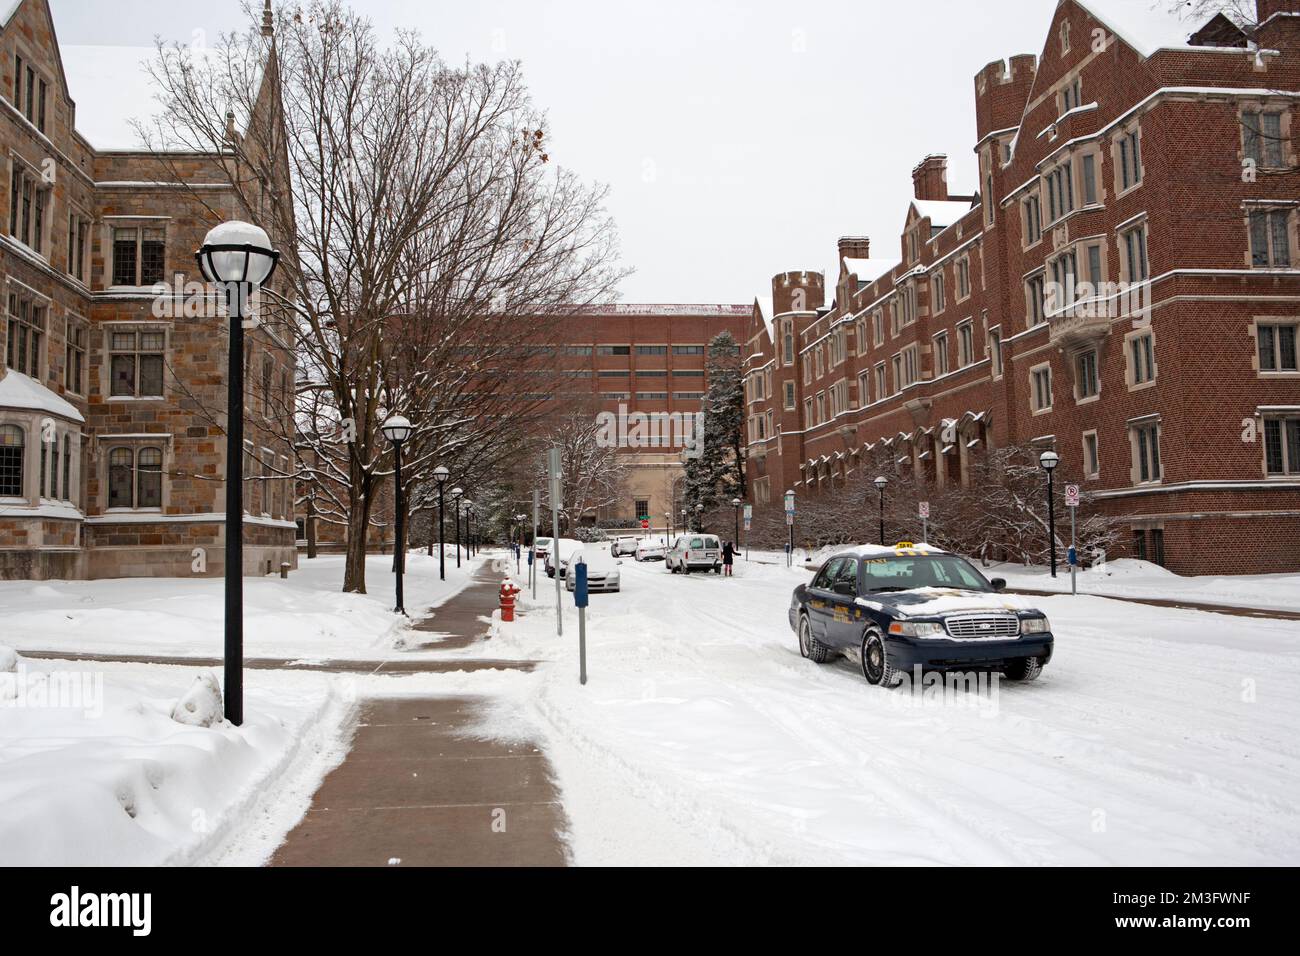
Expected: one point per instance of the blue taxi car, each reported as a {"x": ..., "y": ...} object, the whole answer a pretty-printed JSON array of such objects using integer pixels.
[{"x": 894, "y": 608}]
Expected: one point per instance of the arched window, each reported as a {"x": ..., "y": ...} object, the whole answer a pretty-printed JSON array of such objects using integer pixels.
[
  {"x": 11, "y": 461},
  {"x": 149, "y": 478},
  {"x": 120, "y": 468}
]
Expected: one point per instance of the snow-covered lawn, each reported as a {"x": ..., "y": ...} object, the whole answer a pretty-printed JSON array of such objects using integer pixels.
[
  {"x": 305, "y": 616},
  {"x": 1155, "y": 736},
  {"x": 94, "y": 771}
]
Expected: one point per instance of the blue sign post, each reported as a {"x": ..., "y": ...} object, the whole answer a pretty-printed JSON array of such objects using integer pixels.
[{"x": 580, "y": 601}]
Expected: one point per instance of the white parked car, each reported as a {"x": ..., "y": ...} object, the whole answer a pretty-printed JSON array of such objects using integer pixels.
[
  {"x": 602, "y": 569},
  {"x": 540, "y": 547},
  {"x": 623, "y": 544},
  {"x": 558, "y": 554},
  {"x": 695, "y": 552},
  {"x": 651, "y": 549}
]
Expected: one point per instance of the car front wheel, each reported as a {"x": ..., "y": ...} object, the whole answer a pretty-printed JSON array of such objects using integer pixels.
[
  {"x": 876, "y": 667},
  {"x": 1027, "y": 668},
  {"x": 809, "y": 646}
]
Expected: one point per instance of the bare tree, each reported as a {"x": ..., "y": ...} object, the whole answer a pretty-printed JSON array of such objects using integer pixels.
[{"x": 428, "y": 237}]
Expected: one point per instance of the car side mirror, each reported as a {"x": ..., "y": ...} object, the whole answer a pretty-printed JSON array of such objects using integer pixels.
[
  {"x": 999, "y": 584},
  {"x": 844, "y": 587}
]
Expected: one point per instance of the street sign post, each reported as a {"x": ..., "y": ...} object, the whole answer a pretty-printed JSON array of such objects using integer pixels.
[
  {"x": 923, "y": 511},
  {"x": 532, "y": 548},
  {"x": 749, "y": 521},
  {"x": 580, "y": 601},
  {"x": 553, "y": 468},
  {"x": 1072, "y": 502},
  {"x": 789, "y": 520}
]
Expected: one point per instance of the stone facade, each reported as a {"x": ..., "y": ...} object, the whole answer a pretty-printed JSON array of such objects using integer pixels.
[
  {"x": 1163, "y": 177},
  {"x": 112, "y": 411}
]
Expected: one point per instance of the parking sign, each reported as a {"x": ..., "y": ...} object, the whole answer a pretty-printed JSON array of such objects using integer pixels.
[
  {"x": 1072, "y": 496},
  {"x": 749, "y": 516},
  {"x": 923, "y": 509},
  {"x": 789, "y": 503}
]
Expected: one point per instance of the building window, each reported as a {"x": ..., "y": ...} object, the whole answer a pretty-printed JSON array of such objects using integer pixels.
[
  {"x": 808, "y": 413},
  {"x": 995, "y": 350},
  {"x": 1033, "y": 220},
  {"x": 1270, "y": 244},
  {"x": 787, "y": 342},
  {"x": 864, "y": 389},
  {"x": 1086, "y": 382},
  {"x": 139, "y": 255},
  {"x": 1277, "y": 347},
  {"x": 965, "y": 344},
  {"x": 74, "y": 361},
  {"x": 1093, "y": 252},
  {"x": 29, "y": 198},
  {"x": 1088, "y": 165},
  {"x": 1142, "y": 358},
  {"x": 677, "y": 350},
  {"x": 1262, "y": 139},
  {"x": 821, "y": 407},
  {"x": 1063, "y": 283},
  {"x": 136, "y": 364},
  {"x": 963, "y": 277},
  {"x": 1040, "y": 388},
  {"x": 941, "y": 361},
  {"x": 911, "y": 368},
  {"x": 1130, "y": 160},
  {"x": 1140, "y": 544},
  {"x": 1091, "y": 455},
  {"x": 1134, "y": 244},
  {"x": 1282, "y": 445},
  {"x": 67, "y": 467},
  {"x": 1072, "y": 95},
  {"x": 878, "y": 327},
  {"x": 652, "y": 350},
  {"x": 1146, "y": 451},
  {"x": 1060, "y": 192},
  {"x": 11, "y": 461},
  {"x": 30, "y": 93},
  {"x": 1034, "y": 292},
  {"x": 25, "y": 345},
  {"x": 78, "y": 241},
  {"x": 936, "y": 289},
  {"x": 898, "y": 373},
  {"x": 1065, "y": 37},
  {"x": 881, "y": 385}
]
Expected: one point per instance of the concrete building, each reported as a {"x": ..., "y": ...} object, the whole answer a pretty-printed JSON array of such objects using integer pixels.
[
  {"x": 1122, "y": 286},
  {"x": 112, "y": 402}
]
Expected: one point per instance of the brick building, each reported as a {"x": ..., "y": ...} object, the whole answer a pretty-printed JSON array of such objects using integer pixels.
[
  {"x": 111, "y": 412},
  {"x": 1123, "y": 287}
]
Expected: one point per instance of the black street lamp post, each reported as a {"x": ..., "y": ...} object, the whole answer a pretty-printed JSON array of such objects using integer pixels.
[
  {"x": 397, "y": 430},
  {"x": 1049, "y": 460},
  {"x": 735, "y": 504},
  {"x": 456, "y": 494},
  {"x": 880, "y": 483},
  {"x": 440, "y": 475},
  {"x": 237, "y": 256},
  {"x": 699, "y": 518}
]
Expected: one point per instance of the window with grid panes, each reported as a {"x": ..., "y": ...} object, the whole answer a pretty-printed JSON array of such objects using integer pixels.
[
  {"x": 12, "y": 450},
  {"x": 1282, "y": 445},
  {"x": 1270, "y": 242},
  {"x": 136, "y": 363},
  {"x": 1277, "y": 347},
  {"x": 139, "y": 255},
  {"x": 24, "y": 347}
]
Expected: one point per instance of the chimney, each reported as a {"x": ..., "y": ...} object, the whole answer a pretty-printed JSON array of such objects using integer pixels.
[
  {"x": 854, "y": 247},
  {"x": 930, "y": 177}
]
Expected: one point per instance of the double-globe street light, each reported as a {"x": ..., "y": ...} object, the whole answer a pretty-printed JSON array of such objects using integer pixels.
[
  {"x": 1049, "y": 460},
  {"x": 238, "y": 257},
  {"x": 880, "y": 483},
  {"x": 397, "y": 430},
  {"x": 456, "y": 495}
]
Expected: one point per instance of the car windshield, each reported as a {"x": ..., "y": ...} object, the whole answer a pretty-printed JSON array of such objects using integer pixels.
[{"x": 904, "y": 573}]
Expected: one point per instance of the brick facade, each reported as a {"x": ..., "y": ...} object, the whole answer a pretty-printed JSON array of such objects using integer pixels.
[
  {"x": 1130, "y": 168},
  {"x": 134, "y": 400}
]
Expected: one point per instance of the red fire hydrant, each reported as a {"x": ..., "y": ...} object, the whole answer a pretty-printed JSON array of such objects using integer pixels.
[{"x": 508, "y": 592}]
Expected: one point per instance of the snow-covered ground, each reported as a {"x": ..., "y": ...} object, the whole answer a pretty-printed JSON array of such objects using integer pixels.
[
  {"x": 305, "y": 616},
  {"x": 1155, "y": 736},
  {"x": 94, "y": 771}
]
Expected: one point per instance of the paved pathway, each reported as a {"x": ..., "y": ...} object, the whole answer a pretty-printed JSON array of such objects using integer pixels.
[{"x": 418, "y": 788}]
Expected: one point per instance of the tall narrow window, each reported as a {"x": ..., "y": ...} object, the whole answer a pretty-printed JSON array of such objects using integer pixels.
[
  {"x": 1085, "y": 375},
  {"x": 74, "y": 363},
  {"x": 1134, "y": 242},
  {"x": 1270, "y": 244},
  {"x": 1262, "y": 139},
  {"x": 11, "y": 461},
  {"x": 25, "y": 345},
  {"x": 67, "y": 468},
  {"x": 1130, "y": 160},
  {"x": 29, "y": 197},
  {"x": 1089, "y": 169},
  {"x": 148, "y": 478},
  {"x": 1091, "y": 455},
  {"x": 1146, "y": 447},
  {"x": 1142, "y": 358},
  {"x": 1282, "y": 445},
  {"x": 995, "y": 351},
  {"x": 121, "y": 468}
]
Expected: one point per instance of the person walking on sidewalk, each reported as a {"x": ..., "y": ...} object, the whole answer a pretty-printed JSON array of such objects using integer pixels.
[{"x": 728, "y": 556}]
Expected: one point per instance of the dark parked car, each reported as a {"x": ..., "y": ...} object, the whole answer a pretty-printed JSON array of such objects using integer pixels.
[{"x": 894, "y": 608}]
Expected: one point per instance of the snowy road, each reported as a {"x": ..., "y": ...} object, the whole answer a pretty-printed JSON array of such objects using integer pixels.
[{"x": 1155, "y": 736}]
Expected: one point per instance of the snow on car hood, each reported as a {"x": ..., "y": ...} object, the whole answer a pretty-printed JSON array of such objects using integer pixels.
[{"x": 927, "y": 601}]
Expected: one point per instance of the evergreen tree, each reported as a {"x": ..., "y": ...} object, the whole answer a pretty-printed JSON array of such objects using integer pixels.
[{"x": 717, "y": 472}]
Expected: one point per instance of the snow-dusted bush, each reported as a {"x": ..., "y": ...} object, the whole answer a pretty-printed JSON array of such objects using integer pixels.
[
  {"x": 8, "y": 660},
  {"x": 201, "y": 705}
]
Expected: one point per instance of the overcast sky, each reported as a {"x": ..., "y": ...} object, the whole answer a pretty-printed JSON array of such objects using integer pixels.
[{"x": 739, "y": 139}]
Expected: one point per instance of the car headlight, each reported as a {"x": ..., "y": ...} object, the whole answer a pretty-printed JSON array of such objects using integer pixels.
[
  {"x": 916, "y": 628},
  {"x": 1034, "y": 625}
]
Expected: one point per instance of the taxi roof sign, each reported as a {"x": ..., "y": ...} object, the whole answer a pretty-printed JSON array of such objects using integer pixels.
[{"x": 905, "y": 544}]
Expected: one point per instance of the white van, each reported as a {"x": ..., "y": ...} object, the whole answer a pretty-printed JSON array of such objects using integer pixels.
[
  {"x": 624, "y": 544},
  {"x": 695, "y": 552}
]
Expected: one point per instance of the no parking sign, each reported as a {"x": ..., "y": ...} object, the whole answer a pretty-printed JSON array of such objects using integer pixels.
[{"x": 1072, "y": 496}]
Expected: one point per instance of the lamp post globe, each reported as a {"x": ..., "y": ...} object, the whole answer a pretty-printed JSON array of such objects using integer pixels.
[
  {"x": 1049, "y": 460},
  {"x": 239, "y": 257}
]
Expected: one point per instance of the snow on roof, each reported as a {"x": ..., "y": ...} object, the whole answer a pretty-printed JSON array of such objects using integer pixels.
[
  {"x": 766, "y": 313},
  {"x": 869, "y": 270},
  {"x": 942, "y": 212},
  {"x": 890, "y": 550},
  {"x": 1145, "y": 25},
  {"x": 21, "y": 391}
]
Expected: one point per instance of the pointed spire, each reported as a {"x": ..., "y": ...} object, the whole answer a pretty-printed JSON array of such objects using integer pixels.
[{"x": 268, "y": 21}]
